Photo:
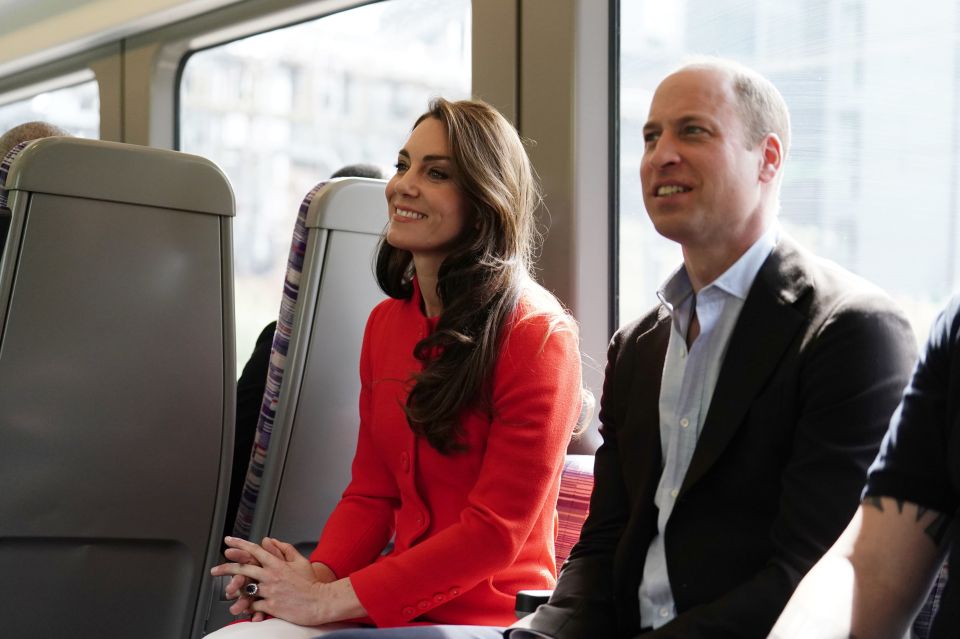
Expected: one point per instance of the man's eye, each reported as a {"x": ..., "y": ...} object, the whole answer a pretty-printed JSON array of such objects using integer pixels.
[
  {"x": 693, "y": 129},
  {"x": 650, "y": 137}
]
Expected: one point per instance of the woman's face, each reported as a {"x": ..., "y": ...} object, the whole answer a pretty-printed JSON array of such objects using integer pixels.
[{"x": 427, "y": 209}]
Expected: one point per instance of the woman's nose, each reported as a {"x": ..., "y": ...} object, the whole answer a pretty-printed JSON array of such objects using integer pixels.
[{"x": 406, "y": 184}]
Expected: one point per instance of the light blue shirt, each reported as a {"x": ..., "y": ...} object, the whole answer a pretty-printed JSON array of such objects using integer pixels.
[{"x": 689, "y": 378}]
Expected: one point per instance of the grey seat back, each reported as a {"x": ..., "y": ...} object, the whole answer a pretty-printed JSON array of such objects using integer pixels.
[
  {"x": 315, "y": 432},
  {"x": 116, "y": 388},
  {"x": 316, "y": 421}
]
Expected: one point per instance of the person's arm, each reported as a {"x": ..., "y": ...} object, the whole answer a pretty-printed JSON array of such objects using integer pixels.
[
  {"x": 536, "y": 399},
  {"x": 850, "y": 377},
  {"x": 583, "y": 604},
  {"x": 289, "y": 587},
  {"x": 874, "y": 579}
]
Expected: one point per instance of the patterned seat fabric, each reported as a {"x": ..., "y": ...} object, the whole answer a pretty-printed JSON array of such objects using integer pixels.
[
  {"x": 573, "y": 503},
  {"x": 924, "y": 619},
  {"x": 5, "y": 169},
  {"x": 278, "y": 358}
]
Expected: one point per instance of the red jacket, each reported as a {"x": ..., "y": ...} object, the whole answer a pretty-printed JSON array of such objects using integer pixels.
[{"x": 471, "y": 528}]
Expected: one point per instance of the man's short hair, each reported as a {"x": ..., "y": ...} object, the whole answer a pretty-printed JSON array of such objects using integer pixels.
[
  {"x": 762, "y": 109},
  {"x": 360, "y": 170},
  {"x": 28, "y": 131}
]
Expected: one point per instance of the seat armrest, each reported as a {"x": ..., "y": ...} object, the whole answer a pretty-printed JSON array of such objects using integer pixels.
[{"x": 529, "y": 600}]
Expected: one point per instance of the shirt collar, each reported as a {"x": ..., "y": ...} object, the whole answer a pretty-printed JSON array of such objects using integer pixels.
[{"x": 736, "y": 280}]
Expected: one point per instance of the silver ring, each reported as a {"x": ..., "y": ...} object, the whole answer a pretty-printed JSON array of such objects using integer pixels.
[{"x": 252, "y": 589}]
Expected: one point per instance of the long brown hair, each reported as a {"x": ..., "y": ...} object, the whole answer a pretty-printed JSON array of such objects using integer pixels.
[{"x": 480, "y": 281}]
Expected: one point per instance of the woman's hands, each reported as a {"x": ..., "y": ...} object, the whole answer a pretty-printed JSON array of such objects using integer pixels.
[{"x": 290, "y": 587}]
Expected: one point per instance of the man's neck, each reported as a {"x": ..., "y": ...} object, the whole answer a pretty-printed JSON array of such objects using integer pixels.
[{"x": 705, "y": 263}]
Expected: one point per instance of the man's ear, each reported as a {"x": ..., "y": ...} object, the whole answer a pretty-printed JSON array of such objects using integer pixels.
[{"x": 771, "y": 156}]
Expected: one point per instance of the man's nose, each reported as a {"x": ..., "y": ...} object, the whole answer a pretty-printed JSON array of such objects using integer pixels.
[{"x": 664, "y": 151}]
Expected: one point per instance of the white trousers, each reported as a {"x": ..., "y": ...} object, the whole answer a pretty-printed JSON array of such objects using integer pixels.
[{"x": 275, "y": 629}]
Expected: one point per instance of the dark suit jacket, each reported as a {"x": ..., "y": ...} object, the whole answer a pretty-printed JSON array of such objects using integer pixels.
[
  {"x": 814, "y": 368},
  {"x": 250, "y": 387}
]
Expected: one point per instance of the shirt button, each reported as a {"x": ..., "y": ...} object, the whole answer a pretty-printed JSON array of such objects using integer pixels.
[
  {"x": 684, "y": 422},
  {"x": 673, "y": 493},
  {"x": 424, "y": 604},
  {"x": 409, "y": 612},
  {"x": 664, "y": 612}
]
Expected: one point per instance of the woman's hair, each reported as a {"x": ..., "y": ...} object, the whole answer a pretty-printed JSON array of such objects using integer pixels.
[{"x": 480, "y": 281}]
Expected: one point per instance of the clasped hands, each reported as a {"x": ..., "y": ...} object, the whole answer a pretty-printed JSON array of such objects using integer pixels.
[{"x": 290, "y": 587}]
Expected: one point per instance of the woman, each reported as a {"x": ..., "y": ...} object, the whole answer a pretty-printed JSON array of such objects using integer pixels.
[{"x": 470, "y": 386}]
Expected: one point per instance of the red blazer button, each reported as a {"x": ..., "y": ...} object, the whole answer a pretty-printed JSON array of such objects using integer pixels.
[
  {"x": 424, "y": 604},
  {"x": 439, "y": 597},
  {"x": 408, "y": 611}
]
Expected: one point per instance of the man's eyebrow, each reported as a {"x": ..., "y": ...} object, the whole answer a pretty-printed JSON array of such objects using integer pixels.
[{"x": 687, "y": 119}]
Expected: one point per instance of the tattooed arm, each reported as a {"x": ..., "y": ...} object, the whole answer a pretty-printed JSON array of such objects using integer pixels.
[{"x": 874, "y": 579}]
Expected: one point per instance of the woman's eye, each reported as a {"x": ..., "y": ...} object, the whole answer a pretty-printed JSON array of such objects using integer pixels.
[
  {"x": 401, "y": 166},
  {"x": 437, "y": 174}
]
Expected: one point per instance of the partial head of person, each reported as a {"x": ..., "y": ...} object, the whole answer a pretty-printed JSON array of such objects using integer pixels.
[
  {"x": 461, "y": 219},
  {"x": 26, "y": 132},
  {"x": 714, "y": 146},
  {"x": 361, "y": 170}
]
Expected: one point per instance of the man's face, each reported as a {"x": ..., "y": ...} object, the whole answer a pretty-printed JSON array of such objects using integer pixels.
[{"x": 702, "y": 185}]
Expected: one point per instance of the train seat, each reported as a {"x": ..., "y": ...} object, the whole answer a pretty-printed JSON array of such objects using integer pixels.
[
  {"x": 923, "y": 622},
  {"x": 275, "y": 372},
  {"x": 307, "y": 433},
  {"x": 116, "y": 387},
  {"x": 573, "y": 503}
]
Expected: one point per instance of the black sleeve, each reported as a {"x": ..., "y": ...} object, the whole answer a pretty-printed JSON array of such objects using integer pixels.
[
  {"x": 913, "y": 463},
  {"x": 250, "y": 388}
]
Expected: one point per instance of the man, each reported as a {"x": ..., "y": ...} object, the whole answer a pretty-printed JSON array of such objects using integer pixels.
[
  {"x": 874, "y": 579},
  {"x": 740, "y": 415},
  {"x": 26, "y": 132}
]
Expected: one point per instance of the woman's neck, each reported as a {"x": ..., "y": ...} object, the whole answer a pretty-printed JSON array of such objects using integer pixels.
[{"x": 427, "y": 269}]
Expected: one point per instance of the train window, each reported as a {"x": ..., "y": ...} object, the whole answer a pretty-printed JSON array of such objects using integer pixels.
[
  {"x": 281, "y": 111},
  {"x": 873, "y": 178},
  {"x": 74, "y": 107}
]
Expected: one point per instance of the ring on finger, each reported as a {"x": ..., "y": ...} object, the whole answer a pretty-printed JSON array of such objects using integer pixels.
[{"x": 252, "y": 589}]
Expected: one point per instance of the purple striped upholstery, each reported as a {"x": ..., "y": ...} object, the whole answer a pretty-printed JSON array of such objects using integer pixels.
[
  {"x": 278, "y": 359},
  {"x": 5, "y": 168},
  {"x": 924, "y": 619},
  {"x": 573, "y": 503}
]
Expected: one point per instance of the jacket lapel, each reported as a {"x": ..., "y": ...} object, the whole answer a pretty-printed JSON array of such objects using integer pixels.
[
  {"x": 640, "y": 445},
  {"x": 644, "y": 398},
  {"x": 767, "y": 324}
]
